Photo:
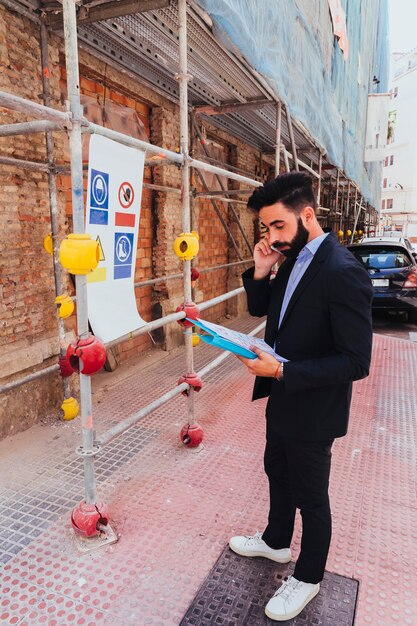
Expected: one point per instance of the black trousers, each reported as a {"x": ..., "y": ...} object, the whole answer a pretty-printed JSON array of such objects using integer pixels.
[{"x": 298, "y": 473}]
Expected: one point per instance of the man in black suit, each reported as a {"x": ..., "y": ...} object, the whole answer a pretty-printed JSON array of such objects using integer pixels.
[{"x": 319, "y": 319}]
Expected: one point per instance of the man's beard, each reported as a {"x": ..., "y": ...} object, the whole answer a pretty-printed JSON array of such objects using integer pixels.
[{"x": 297, "y": 243}]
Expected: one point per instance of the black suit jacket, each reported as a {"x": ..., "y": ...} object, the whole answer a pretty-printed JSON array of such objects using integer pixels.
[{"x": 326, "y": 334}]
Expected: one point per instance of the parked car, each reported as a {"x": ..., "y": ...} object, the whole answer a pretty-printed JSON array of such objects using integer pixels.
[
  {"x": 393, "y": 271},
  {"x": 385, "y": 238}
]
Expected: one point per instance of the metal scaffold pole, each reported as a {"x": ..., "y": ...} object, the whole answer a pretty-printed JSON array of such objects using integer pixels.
[
  {"x": 319, "y": 179},
  {"x": 53, "y": 195},
  {"x": 87, "y": 449},
  {"x": 336, "y": 202},
  {"x": 183, "y": 78},
  {"x": 278, "y": 125}
]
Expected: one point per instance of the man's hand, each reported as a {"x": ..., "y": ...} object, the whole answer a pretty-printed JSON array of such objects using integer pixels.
[
  {"x": 264, "y": 258},
  {"x": 264, "y": 365}
]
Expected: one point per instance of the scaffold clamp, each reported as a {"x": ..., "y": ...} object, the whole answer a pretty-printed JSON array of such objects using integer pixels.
[
  {"x": 191, "y": 379},
  {"x": 191, "y": 311},
  {"x": 90, "y": 351},
  {"x": 81, "y": 451},
  {"x": 179, "y": 75},
  {"x": 79, "y": 254},
  {"x": 195, "y": 275},
  {"x": 186, "y": 246},
  {"x": 86, "y": 519},
  {"x": 191, "y": 435},
  {"x": 65, "y": 366},
  {"x": 48, "y": 244},
  {"x": 65, "y": 305},
  {"x": 70, "y": 407}
]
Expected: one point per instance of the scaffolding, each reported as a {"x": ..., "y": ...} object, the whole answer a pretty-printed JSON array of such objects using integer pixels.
[{"x": 337, "y": 208}]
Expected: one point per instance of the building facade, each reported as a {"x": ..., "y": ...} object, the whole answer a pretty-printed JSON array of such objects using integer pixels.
[
  {"x": 399, "y": 174},
  {"x": 128, "y": 82}
]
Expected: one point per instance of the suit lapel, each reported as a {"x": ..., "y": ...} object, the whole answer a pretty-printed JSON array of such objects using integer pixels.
[
  {"x": 277, "y": 297},
  {"x": 314, "y": 267}
]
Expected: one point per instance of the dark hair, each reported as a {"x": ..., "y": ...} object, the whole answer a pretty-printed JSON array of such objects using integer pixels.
[{"x": 294, "y": 190}]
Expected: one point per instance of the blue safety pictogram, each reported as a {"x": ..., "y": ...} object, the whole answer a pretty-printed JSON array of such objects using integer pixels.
[
  {"x": 123, "y": 255},
  {"x": 99, "y": 198}
]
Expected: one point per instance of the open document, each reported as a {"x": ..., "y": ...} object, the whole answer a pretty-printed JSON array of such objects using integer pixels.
[{"x": 231, "y": 340}]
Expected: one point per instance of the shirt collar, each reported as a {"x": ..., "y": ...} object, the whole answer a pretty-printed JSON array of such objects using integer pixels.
[{"x": 313, "y": 245}]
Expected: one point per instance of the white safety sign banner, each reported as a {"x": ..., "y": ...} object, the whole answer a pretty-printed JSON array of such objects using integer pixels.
[{"x": 114, "y": 192}]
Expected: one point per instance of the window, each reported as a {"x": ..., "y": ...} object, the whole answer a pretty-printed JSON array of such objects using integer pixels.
[
  {"x": 391, "y": 159},
  {"x": 395, "y": 94},
  {"x": 392, "y": 118},
  {"x": 382, "y": 257},
  {"x": 386, "y": 161},
  {"x": 383, "y": 205},
  {"x": 390, "y": 203},
  {"x": 384, "y": 183}
]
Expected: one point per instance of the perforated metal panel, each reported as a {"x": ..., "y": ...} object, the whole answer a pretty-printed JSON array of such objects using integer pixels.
[
  {"x": 147, "y": 44},
  {"x": 203, "y": 45}
]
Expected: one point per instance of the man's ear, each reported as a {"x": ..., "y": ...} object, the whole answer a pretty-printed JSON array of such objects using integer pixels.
[{"x": 308, "y": 213}]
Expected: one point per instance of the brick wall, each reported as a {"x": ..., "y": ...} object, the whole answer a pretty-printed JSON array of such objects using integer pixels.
[
  {"x": 28, "y": 329},
  {"x": 28, "y": 322}
]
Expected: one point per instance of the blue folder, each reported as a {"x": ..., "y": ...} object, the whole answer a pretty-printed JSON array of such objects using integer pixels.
[{"x": 219, "y": 342}]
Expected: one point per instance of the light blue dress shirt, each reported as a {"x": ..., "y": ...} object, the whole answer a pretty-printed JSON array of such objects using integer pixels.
[{"x": 304, "y": 259}]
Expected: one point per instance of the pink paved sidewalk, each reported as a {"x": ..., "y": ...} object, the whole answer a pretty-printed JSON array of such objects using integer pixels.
[{"x": 175, "y": 508}]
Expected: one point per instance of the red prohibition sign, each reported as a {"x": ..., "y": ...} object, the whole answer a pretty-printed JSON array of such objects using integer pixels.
[{"x": 126, "y": 195}]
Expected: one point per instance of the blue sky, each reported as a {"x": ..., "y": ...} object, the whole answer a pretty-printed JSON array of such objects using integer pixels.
[{"x": 403, "y": 25}]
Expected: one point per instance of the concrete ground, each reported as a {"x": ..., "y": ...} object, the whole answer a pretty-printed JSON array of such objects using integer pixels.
[{"x": 174, "y": 508}]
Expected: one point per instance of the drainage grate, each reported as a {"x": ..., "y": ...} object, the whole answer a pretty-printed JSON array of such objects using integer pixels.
[{"x": 237, "y": 590}]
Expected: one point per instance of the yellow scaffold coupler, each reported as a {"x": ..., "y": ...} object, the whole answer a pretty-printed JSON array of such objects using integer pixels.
[
  {"x": 348, "y": 233},
  {"x": 70, "y": 408},
  {"x": 65, "y": 305},
  {"x": 186, "y": 246},
  {"x": 340, "y": 233},
  {"x": 79, "y": 254},
  {"x": 48, "y": 244}
]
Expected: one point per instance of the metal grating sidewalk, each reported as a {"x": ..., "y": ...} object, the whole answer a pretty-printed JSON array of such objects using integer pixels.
[
  {"x": 237, "y": 590},
  {"x": 175, "y": 508}
]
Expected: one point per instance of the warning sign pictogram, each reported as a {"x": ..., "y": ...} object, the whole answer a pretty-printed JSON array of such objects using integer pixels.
[
  {"x": 126, "y": 195},
  {"x": 101, "y": 257}
]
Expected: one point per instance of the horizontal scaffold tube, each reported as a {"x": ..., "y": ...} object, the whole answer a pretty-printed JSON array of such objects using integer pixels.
[
  {"x": 29, "y": 378},
  {"x": 222, "y": 298},
  {"x": 154, "y": 281},
  {"x": 163, "y": 321},
  {"x": 110, "y": 434},
  {"x": 28, "y": 165},
  {"x": 15, "y": 103},
  {"x": 172, "y": 317},
  {"x": 25, "y": 128},
  {"x": 227, "y": 200},
  {"x": 120, "y": 428},
  {"x": 133, "y": 142},
  {"x": 168, "y": 154}
]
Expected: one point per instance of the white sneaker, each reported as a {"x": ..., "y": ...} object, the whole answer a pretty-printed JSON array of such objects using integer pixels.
[
  {"x": 290, "y": 599},
  {"x": 256, "y": 546}
]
